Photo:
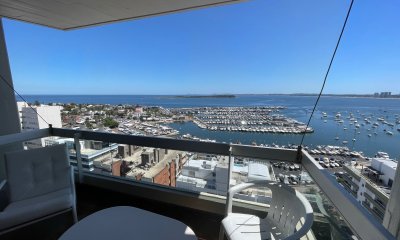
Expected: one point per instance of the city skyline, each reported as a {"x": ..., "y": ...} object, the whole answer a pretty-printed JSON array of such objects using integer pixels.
[{"x": 245, "y": 48}]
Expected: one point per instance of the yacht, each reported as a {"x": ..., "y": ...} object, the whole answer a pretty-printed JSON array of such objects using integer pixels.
[
  {"x": 369, "y": 135},
  {"x": 382, "y": 155},
  {"x": 389, "y": 133}
]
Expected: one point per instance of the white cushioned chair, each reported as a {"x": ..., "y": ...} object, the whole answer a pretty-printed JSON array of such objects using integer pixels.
[
  {"x": 39, "y": 185},
  {"x": 290, "y": 215}
]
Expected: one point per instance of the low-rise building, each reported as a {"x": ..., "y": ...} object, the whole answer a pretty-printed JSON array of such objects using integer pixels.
[
  {"x": 163, "y": 171},
  {"x": 386, "y": 170},
  {"x": 95, "y": 155}
]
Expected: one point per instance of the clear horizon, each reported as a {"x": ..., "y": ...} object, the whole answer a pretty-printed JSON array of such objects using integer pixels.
[
  {"x": 280, "y": 47},
  {"x": 205, "y": 94}
]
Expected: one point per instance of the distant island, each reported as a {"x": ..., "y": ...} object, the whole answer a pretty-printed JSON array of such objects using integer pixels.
[{"x": 207, "y": 96}]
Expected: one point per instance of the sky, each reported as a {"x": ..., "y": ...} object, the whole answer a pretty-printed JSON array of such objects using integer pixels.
[{"x": 253, "y": 47}]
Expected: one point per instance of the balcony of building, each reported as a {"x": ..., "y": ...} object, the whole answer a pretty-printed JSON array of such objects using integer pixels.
[
  {"x": 96, "y": 191},
  {"x": 340, "y": 215}
]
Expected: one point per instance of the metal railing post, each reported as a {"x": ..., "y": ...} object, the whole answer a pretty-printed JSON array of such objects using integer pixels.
[
  {"x": 78, "y": 156},
  {"x": 230, "y": 167}
]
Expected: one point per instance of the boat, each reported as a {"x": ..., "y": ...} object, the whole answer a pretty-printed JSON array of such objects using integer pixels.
[
  {"x": 389, "y": 133},
  {"x": 354, "y": 139},
  {"x": 369, "y": 135},
  {"x": 344, "y": 142},
  {"x": 345, "y": 128},
  {"x": 336, "y": 138},
  {"x": 382, "y": 155}
]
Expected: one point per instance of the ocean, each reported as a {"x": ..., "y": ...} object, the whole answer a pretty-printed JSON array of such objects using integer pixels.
[{"x": 298, "y": 107}]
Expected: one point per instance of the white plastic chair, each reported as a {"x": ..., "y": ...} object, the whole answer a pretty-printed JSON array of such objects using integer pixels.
[
  {"x": 290, "y": 215},
  {"x": 40, "y": 184}
]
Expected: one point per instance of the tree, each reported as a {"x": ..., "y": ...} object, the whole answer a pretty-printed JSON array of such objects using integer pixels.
[
  {"x": 111, "y": 123},
  {"x": 88, "y": 124}
]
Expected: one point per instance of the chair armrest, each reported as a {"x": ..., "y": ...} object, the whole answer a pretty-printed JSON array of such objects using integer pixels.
[
  {"x": 304, "y": 229},
  {"x": 4, "y": 195},
  {"x": 308, "y": 221},
  {"x": 235, "y": 189}
]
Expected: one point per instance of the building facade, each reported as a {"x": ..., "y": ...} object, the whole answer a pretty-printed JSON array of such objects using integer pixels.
[
  {"x": 30, "y": 120},
  {"x": 367, "y": 193}
]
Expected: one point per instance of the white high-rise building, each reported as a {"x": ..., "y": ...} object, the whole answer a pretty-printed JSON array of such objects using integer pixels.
[{"x": 30, "y": 120}]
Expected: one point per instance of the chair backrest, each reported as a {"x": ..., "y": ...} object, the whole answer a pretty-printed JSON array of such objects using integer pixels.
[
  {"x": 38, "y": 171},
  {"x": 289, "y": 209}
]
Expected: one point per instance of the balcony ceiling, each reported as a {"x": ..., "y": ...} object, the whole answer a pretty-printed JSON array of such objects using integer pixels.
[{"x": 71, "y": 14}]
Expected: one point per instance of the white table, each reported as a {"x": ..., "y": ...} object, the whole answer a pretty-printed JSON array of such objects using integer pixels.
[{"x": 127, "y": 223}]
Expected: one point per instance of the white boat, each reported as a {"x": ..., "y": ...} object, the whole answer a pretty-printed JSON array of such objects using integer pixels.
[
  {"x": 389, "y": 133},
  {"x": 336, "y": 138},
  {"x": 344, "y": 142},
  {"x": 382, "y": 155},
  {"x": 354, "y": 139},
  {"x": 369, "y": 135}
]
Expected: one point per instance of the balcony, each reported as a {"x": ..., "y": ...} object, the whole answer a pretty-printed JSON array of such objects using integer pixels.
[
  {"x": 378, "y": 214},
  {"x": 375, "y": 202},
  {"x": 96, "y": 191}
]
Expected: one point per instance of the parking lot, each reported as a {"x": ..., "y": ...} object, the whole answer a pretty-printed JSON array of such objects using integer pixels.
[{"x": 291, "y": 173}]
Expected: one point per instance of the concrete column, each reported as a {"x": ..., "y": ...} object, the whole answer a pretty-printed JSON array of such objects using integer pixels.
[
  {"x": 9, "y": 122},
  {"x": 391, "y": 221}
]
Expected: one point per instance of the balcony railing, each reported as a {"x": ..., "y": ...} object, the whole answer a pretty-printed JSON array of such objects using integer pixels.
[
  {"x": 374, "y": 201},
  {"x": 355, "y": 215}
]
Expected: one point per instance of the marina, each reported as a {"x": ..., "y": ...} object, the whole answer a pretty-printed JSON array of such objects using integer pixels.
[
  {"x": 369, "y": 118},
  {"x": 245, "y": 119}
]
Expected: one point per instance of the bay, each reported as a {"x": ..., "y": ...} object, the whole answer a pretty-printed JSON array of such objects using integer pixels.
[{"x": 298, "y": 107}]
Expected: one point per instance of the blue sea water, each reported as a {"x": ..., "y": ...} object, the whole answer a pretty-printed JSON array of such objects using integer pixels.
[{"x": 298, "y": 107}]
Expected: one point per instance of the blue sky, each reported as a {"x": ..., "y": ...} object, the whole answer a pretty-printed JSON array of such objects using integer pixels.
[{"x": 259, "y": 46}]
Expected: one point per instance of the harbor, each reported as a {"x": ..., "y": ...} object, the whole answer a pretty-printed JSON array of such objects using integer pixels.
[
  {"x": 360, "y": 124},
  {"x": 265, "y": 119}
]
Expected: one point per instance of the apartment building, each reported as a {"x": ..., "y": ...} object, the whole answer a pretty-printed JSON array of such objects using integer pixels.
[
  {"x": 30, "y": 120},
  {"x": 372, "y": 196}
]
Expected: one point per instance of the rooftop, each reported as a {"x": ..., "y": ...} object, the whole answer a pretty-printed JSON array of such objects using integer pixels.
[{"x": 388, "y": 162}]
